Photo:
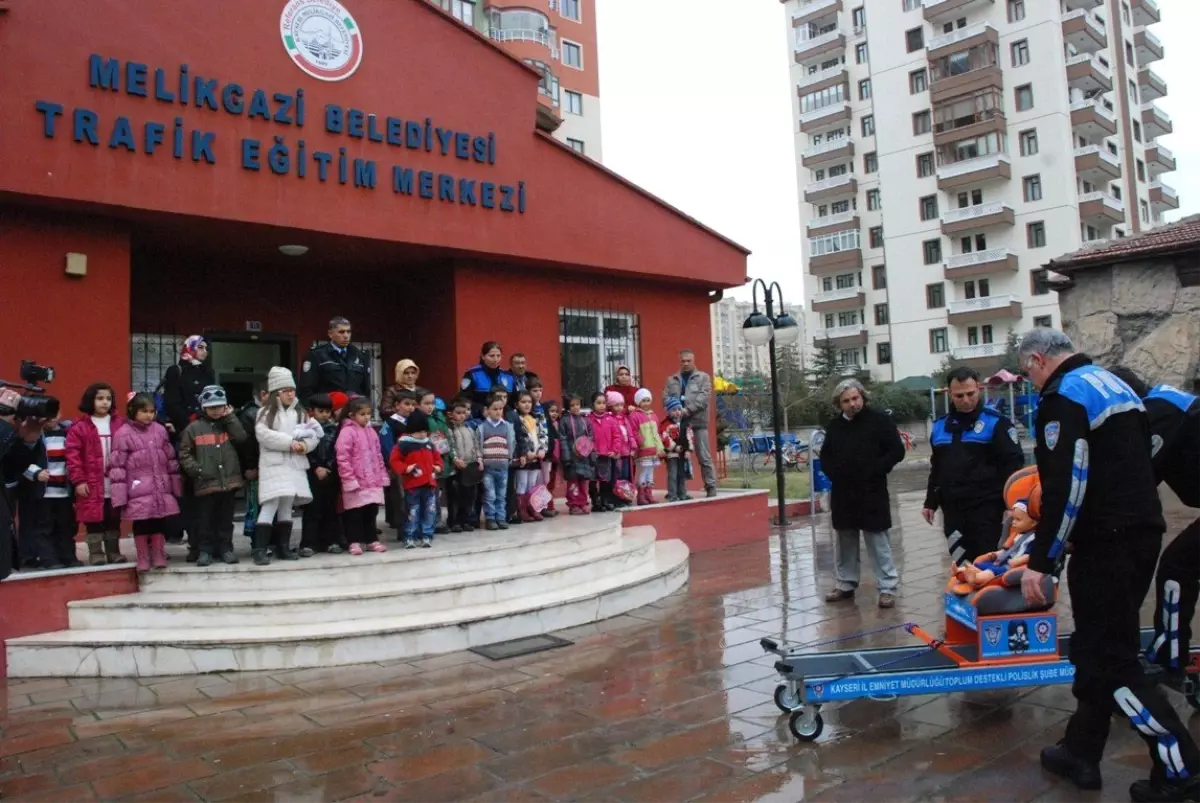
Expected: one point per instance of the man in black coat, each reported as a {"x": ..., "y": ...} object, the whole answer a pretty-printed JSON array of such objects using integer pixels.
[
  {"x": 336, "y": 366},
  {"x": 861, "y": 447}
]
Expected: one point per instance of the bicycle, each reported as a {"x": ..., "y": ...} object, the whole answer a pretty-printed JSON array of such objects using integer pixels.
[{"x": 794, "y": 458}]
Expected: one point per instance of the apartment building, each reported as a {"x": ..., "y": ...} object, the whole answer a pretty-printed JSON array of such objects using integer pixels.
[
  {"x": 732, "y": 356},
  {"x": 947, "y": 149},
  {"x": 558, "y": 39}
]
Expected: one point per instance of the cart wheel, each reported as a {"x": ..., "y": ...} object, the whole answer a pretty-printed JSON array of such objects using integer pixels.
[
  {"x": 786, "y": 701},
  {"x": 805, "y": 727}
]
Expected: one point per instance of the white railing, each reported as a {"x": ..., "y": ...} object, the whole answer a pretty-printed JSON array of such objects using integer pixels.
[
  {"x": 1104, "y": 153},
  {"x": 972, "y": 212},
  {"x": 1116, "y": 204},
  {"x": 1165, "y": 189},
  {"x": 827, "y": 146},
  {"x": 829, "y": 183},
  {"x": 1094, "y": 103},
  {"x": 814, "y": 6},
  {"x": 840, "y": 331},
  {"x": 1160, "y": 116},
  {"x": 1163, "y": 151},
  {"x": 525, "y": 35},
  {"x": 835, "y": 243},
  {"x": 981, "y": 350},
  {"x": 1152, "y": 5},
  {"x": 1150, "y": 37},
  {"x": 1152, "y": 78},
  {"x": 841, "y": 294},
  {"x": 1099, "y": 65},
  {"x": 971, "y": 165},
  {"x": 832, "y": 220},
  {"x": 804, "y": 43},
  {"x": 954, "y": 37},
  {"x": 1091, "y": 19},
  {"x": 932, "y": 3},
  {"x": 824, "y": 111},
  {"x": 820, "y": 75},
  {"x": 981, "y": 304},
  {"x": 975, "y": 258}
]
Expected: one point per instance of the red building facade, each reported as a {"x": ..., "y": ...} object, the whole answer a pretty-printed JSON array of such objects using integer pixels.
[{"x": 171, "y": 154}]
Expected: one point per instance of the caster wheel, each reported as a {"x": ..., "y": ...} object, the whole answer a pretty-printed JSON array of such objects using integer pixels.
[
  {"x": 1191, "y": 691},
  {"x": 806, "y": 727},
  {"x": 786, "y": 701}
]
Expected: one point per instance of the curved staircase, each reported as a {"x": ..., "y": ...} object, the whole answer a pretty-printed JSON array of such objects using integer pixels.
[{"x": 330, "y": 610}]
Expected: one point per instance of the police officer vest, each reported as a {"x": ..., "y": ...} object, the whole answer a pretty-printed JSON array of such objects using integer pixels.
[
  {"x": 481, "y": 380},
  {"x": 1099, "y": 393},
  {"x": 1174, "y": 396},
  {"x": 982, "y": 432}
]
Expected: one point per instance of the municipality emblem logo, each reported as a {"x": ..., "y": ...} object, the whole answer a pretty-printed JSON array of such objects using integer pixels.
[
  {"x": 322, "y": 38},
  {"x": 992, "y": 634}
]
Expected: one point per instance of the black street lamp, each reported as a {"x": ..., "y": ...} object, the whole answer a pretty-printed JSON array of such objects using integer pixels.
[{"x": 769, "y": 329}]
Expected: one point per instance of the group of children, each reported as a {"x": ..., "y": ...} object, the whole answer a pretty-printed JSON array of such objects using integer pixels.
[{"x": 329, "y": 460}]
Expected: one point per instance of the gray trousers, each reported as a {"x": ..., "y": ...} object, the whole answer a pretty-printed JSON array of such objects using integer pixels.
[
  {"x": 708, "y": 469},
  {"x": 846, "y": 551}
]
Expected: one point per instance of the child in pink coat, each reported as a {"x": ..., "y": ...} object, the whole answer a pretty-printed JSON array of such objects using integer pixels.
[
  {"x": 614, "y": 445},
  {"x": 143, "y": 475},
  {"x": 363, "y": 475},
  {"x": 644, "y": 424}
]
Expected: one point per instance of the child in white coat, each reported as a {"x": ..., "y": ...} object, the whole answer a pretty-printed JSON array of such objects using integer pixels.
[{"x": 282, "y": 466}]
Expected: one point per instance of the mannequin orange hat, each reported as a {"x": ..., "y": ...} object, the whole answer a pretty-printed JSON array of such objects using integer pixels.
[{"x": 1025, "y": 484}]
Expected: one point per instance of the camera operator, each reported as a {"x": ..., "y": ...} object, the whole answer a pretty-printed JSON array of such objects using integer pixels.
[{"x": 20, "y": 422}]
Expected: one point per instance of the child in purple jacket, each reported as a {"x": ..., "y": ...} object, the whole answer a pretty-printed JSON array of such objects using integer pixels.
[{"x": 143, "y": 473}]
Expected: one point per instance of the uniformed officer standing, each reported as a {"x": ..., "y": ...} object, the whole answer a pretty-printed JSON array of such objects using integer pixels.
[
  {"x": 975, "y": 449},
  {"x": 1099, "y": 494},
  {"x": 482, "y": 379},
  {"x": 336, "y": 366},
  {"x": 1175, "y": 451}
]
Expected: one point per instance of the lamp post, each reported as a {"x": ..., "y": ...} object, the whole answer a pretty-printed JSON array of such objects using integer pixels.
[{"x": 770, "y": 330}]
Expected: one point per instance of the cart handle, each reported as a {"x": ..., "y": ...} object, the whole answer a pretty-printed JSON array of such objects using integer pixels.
[{"x": 936, "y": 644}]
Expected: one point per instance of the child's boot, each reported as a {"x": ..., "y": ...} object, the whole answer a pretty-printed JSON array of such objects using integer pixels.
[
  {"x": 550, "y": 512},
  {"x": 141, "y": 543},
  {"x": 95, "y": 544},
  {"x": 533, "y": 513},
  {"x": 262, "y": 537},
  {"x": 158, "y": 551},
  {"x": 523, "y": 509},
  {"x": 112, "y": 546},
  {"x": 283, "y": 541}
]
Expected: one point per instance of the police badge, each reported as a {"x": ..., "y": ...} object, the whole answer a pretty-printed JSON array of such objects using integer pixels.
[
  {"x": 978, "y": 427},
  {"x": 1051, "y": 434},
  {"x": 1013, "y": 436}
]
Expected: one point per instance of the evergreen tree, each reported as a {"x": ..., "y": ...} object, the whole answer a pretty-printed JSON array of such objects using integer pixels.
[{"x": 824, "y": 364}]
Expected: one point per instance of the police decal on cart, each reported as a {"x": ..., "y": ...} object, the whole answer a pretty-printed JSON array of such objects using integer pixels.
[
  {"x": 992, "y": 634},
  {"x": 1042, "y": 631}
]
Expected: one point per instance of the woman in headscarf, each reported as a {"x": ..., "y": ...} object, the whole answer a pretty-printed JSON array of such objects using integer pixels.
[
  {"x": 624, "y": 386},
  {"x": 182, "y": 383},
  {"x": 407, "y": 373}
]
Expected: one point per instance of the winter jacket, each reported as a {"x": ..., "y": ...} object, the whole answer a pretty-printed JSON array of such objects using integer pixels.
[
  {"x": 571, "y": 428},
  {"x": 325, "y": 455},
  {"x": 360, "y": 466},
  {"x": 248, "y": 451},
  {"x": 627, "y": 393},
  {"x": 282, "y": 472},
  {"x": 208, "y": 454},
  {"x": 857, "y": 456},
  {"x": 645, "y": 433},
  {"x": 48, "y": 453},
  {"x": 465, "y": 442},
  {"x": 411, "y": 452},
  {"x": 695, "y": 396},
  {"x": 391, "y": 431},
  {"x": 535, "y": 440},
  {"x": 613, "y": 435},
  {"x": 181, "y": 386},
  {"x": 674, "y": 437},
  {"x": 439, "y": 438},
  {"x": 144, "y": 472},
  {"x": 85, "y": 464}
]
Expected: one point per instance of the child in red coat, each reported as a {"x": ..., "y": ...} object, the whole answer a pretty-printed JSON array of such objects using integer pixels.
[{"x": 417, "y": 464}]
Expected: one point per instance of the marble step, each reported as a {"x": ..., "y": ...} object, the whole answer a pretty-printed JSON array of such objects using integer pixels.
[
  {"x": 452, "y": 554},
  {"x": 299, "y": 605},
  {"x": 151, "y": 652}
]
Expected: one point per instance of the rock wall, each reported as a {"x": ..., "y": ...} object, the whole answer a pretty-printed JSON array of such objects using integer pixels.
[{"x": 1138, "y": 315}]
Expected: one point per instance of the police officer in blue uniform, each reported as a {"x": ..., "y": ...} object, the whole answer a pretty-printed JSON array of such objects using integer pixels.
[
  {"x": 481, "y": 380},
  {"x": 336, "y": 366},
  {"x": 1175, "y": 451},
  {"x": 1099, "y": 495},
  {"x": 975, "y": 449}
]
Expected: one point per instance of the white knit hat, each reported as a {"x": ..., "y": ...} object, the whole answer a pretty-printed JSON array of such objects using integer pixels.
[
  {"x": 279, "y": 378},
  {"x": 641, "y": 396}
]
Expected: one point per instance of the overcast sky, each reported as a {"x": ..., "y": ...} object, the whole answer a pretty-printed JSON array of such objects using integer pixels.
[{"x": 696, "y": 109}]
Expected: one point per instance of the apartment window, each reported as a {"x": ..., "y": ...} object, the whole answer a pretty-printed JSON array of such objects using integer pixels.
[
  {"x": 1029, "y": 142},
  {"x": 1032, "y": 186},
  {"x": 1039, "y": 284},
  {"x": 846, "y": 240},
  {"x": 932, "y": 250},
  {"x": 879, "y": 277},
  {"x": 1024, "y": 95},
  {"x": 1145, "y": 207},
  {"x": 1115, "y": 190},
  {"x": 918, "y": 81},
  {"x": 875, "y": 236},
  {"x": 881, "y": 314},
  {"x": 463, "y": 11},
  {"x": 979, "y": 243},
  {"x": 1119, "y": 233},
  {"x": 883, "y": 353},
  {"x": 922, "y": 122},
  {"x": 859, "y": 18},
  {"x": 1020, "y": 52},
  {"x": 570, "y": 9},
  {"x": 868, "y": 125},
  {"x": 938, "y": 341},
  {"x": 925, "y": 165},
  {"x": 1133, "y": 91},
  {"x": 1016, "y": 10},
  {"x": 874, "y": 201},
  {"x": 929, "y": 207},
  {"x": 972, "y": 335},
  {"x": 986, "y": 331},
  {"x": 573, "y": 102},
  {"x": 572, "y": 54},
  {"x": 1141, "y": 170},
  {"x": 576, "y": 145},
  {"x": 860, "y": 53},
  {"x": 870, "y": 162},
  {"x": 1035, "y": 234},
  {"x": 864, "y": 89},
  {"x": 1044, "y": 321},
  {"x": 915, "y": 38},
  {"x": 974, "y": 198},
  {"x": 911, "y": 5},
  {"x": 1137, "y": 131},
  {"x": 1125, "y": 13},
  {"x": 1128, "y": 53}
]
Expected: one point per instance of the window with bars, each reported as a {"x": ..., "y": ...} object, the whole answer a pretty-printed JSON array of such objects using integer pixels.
[{"x": 593, "y": 344}]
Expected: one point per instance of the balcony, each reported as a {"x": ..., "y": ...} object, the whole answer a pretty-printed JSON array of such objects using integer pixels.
[
  {"x": 835, "y": 114},
  {"x": 815, "y": 10},
  {"x": 987, "y": 308},
  {"x": 961, "y": 39},
  {"x": 968, "y": 126},
  {"x": 935, "y": 10},
  {"x": 1159, "y": 159},
  {"x": 831, "y": 223},
  {"x": 808, "y": 48},
  {"x": 1092, "y": 119},
  {"x": 1149, "y": 48},
  {"x": 1163, "y": 197},
  {"x": 983, "y": 351},
  {"x": 843, "y": 336},
  {"x": 1084, "y": 31},
  {"x": 835, "y": 187},
  {"x": 1145, "y": 12},
  {"x": 1087, "y": 5},
  {"x": 973, "y": 171},
  {"x": 1156, "y": 122},
  {"x": 544, "y": 37},
  {"x": 1087, "y": 73},
  {"x": 980, "y": 263},
  {"x": 840, "y": 300},
  {"x": 980, "y": 75},
  {"x": 1101, "y": 209},
  {"x": 980, "y": 216},
  {"x": 835, "y": 262},
  {"x": 1151, "y": 84},
  {"x": 834, "y": 150},
  {"x": 822, "y": 79},
  {"x": 1096, "y": 164}
]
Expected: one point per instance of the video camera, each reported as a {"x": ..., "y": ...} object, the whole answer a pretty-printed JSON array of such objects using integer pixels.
[{"x": 29, "y": 400}]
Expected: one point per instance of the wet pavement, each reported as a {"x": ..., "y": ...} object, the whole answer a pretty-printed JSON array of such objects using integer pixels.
[{"x": 669, "y": 703}]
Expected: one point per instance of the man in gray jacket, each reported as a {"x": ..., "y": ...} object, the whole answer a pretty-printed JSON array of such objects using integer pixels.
[{"x": 694, "y": 388}]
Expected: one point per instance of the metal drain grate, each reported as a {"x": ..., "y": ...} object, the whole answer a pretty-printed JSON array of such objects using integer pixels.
[{"x": 521, "y": 646}]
